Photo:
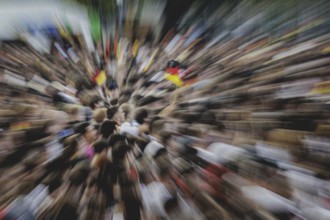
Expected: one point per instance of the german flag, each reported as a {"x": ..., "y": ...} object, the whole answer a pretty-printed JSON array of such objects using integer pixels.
[
  {"x": 172, "y": 74},
  {"x": 99, "y": 77}
]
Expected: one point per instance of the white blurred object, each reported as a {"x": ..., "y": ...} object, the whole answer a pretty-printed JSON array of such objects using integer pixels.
[
  {"x": 274, "y": 153},
  {"x": 13, "y": 79},
  {"x": 36, "y": 197},
  {"x": 317, "y": 145},
  {"x": 38, "y": 41},
  {"x": 267, "y": 199},
  {"x": 226, "y": 152},
  {"x": 158, "y": 77},
  {"x": 152, "y": 148},
  {"x": 294, "y": 50},
  {"x": 207, "y": 155},
  {"x": 172, "y": 43},
  {"x": 316, "y": 213},
  {"x": 40, "y": 80}
]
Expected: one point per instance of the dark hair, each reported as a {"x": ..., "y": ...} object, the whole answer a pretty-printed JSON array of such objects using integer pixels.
[
  {"x": 107, "y": 128},
  {"x": 114, "y": 102},
  {"x": 94, "y": 100},
  {"x": 136, "y": 98},
  {"x": 164, "y": 170},
  {"x": 160, "y": 153},
  {"x": 148, "y": 100},
  {"x": 123, "y": 99},
  {"x": 79, "y": 173},
  {"x": 115, "y": 138},
  {"x": 208, "y": 117},
  {"x": 62, "y": 209},
  {"x": 132, "y": 80},
  {"x": 111, "y": 112},
  {"x": 140, "y": 115},
  {"x": 126, "y": 92},
  {"x": 191, "y": 117},
  {"x": 170, "y": 204},
  {"x": 81, "y": 128},
  {"x": 99, "y": 146},
  {"x": 53, "y": 180},
  {"x": 119, "y": 151}
]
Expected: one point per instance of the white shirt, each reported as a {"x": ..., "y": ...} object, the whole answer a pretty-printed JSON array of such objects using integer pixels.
[
  {"x": 152, "y": 148},
  {"x": 153, "y": 197},
  {"x": 131, "y": 128}
]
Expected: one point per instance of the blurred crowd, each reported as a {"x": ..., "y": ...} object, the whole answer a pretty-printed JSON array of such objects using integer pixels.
[{"x": 225, "y": 116}]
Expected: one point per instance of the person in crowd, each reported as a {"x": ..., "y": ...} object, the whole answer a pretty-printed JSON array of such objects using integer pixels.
[
  {"x": 107, "y": 128},
  {"x": 56, "y": 129},
  {"x": 95, "y": 102},
  {"x": 99, "y": 115},
  {"x": 112, "y": 87},
  {"x": 76, "y": 114},
  {"x": 155, "y": 148},
  {"x": 87, "y": 136},
  {"x": 111, "y": 112},
  {"x": 59, "y": 97},
  {"x": 137, "y": 126},
  {"x": 130, "y": 197}
]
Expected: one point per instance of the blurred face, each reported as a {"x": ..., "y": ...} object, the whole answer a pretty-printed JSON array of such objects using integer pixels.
[
  {"x": 119, "y": 116},
  {"x": 90, "y": 135}
]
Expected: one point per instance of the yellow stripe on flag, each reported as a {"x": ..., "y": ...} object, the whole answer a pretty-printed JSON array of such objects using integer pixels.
[
  {"x": 175, "y": 79},
  {"x": 101, "y": 78}
]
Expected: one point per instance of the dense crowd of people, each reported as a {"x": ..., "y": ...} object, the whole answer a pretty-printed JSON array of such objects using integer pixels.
[
  {"x": 81, "y": 162},
  {"x": 224, "y": 118}
]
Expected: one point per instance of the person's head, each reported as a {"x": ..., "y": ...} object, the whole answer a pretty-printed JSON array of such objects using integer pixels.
[
  {"x": 100, "y": 146},
  {"x": 125, "y": 111},
  {"x": 79, "y": 173},
  {"x": 116, "y": 138},
  {"x": 170, "y": 205},
  {"x": 100, "y": 115},
  {"x": 57, "y": 122},
  {"x": 140, "y": 115},
  {"x": 107, "y": 128},
  {"x": 87, "y": 131},
  {"x": 75, "y": 112},
  {"x": 126, "y": 92},
  {"x": 94, "y": 102},
  {"x": 51, "y": 90},
  {"x": 123, "y": 99},
  {"x": 53, "y": 181},
  {"x": 133, "y": 80},
  {"x": 119, "y": 152},
  {"x": 111, "y": 112},
  {"x": 113, "y": 102}
]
